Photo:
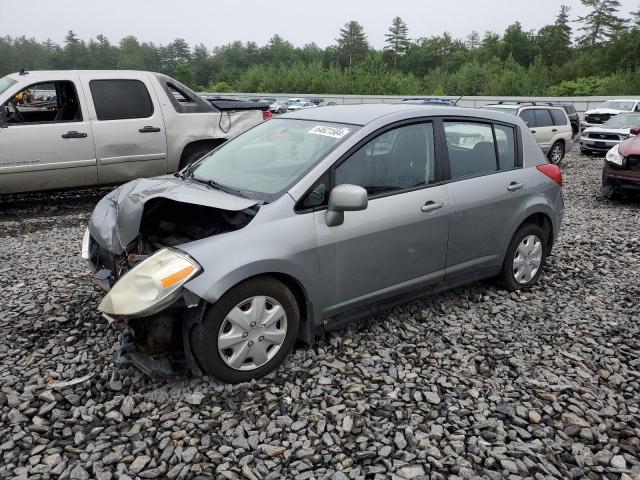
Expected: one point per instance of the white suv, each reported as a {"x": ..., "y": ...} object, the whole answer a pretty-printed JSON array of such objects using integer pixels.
[{"x": 550, "y": 126}]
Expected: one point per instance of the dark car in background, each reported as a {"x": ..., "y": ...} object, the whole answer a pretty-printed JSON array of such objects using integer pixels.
[
  {"x": 621, "y": 171},
  {"x": 439, "y": 102}
]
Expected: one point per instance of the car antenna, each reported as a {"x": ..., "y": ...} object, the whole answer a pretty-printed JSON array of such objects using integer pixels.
[
  {"x": 22, "y": 72},
  {"x": 456, "y": 102}
]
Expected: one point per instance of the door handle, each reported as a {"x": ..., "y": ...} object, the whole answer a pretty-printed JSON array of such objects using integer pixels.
[
  {"x": 554, "y": 130},
  {"x": 149, "y": 129},
  {"x": 514, "y": 186},
  {"x": 533, "y": 131},
  {"x": 74, "y": 134},
  {"x": 431, "y": 206}
]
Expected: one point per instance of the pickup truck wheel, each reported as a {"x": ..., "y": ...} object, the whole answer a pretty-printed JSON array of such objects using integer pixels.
[
  {"x": 248, "y": 332},
  {"x": 556, "y": 154},
  {"x": 525, "y": 259}
]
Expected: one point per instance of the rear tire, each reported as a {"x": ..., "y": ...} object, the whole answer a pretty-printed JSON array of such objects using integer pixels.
[
  {"x": 556, "y": 154},
  {"x": 522, "y": 268},
  {"x": 232, "y": 345}
]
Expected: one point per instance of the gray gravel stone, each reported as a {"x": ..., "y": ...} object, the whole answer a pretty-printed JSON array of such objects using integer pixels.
[{"x": 474, "y": 383}]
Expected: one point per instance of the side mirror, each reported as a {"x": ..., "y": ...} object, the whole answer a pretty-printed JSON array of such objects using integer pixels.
[
  {"x": 4, "y": 123},
  {"x": 345, "y": 198},
  {"x": 635, "y": 130}
]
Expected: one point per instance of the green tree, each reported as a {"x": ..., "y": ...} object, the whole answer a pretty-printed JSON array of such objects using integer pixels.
[
  {"x": 184, "y": 75},
  {"x": 601, "y": 23},
  {"x": 352, "y": 44},
  {"x": 554, "y": 41},
  {"x": 397, "y": 40},
  {"x": 519, "y": 44}
]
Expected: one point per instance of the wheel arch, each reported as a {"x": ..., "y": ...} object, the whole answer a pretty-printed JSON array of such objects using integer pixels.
[
  {"x": 306, "y": 331},
  {"x": 198, "y": 145}
]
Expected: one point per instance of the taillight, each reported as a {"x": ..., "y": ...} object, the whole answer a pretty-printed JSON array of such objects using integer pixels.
[
  {"x": 552, "y": 171},
  {"x": 266, "y": 115}
]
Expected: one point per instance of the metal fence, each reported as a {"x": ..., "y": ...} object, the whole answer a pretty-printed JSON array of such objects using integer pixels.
[{"x": 581, "y": 104}]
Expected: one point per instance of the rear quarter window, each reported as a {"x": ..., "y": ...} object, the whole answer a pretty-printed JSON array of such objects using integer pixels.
[{"x": 120, "y": 99}]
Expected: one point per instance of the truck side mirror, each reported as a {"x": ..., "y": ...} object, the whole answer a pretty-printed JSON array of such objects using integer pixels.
[
  {"x": 4, "y": 123},
  {"x": 345, "y": 198},
  {"x": 635, "y": 130}
]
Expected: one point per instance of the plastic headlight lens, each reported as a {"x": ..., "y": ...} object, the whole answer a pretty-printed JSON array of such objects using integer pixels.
[
  {"x": 613, "y": 156},
  {"x": 84, "y": 253},
  {"x": 150, "y": 283}
]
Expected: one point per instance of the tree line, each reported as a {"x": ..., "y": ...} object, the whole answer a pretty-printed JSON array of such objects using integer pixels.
[{"x": 594, "y": 54}]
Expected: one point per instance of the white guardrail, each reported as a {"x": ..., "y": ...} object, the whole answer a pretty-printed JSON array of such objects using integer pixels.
[{"x": 581, "y": 104}]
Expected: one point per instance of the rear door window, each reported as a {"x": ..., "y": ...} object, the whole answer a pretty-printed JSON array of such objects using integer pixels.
[
  {"x": 120, "y": 99},
  {"x": 471, "y": 149},
  {"x": 543, "y": 118},
  {"x": 529, "y": 118},
  {"x": 559, "y": 117}
]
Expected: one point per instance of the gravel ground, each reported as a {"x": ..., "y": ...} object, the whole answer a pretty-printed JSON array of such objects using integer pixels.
[{"x": 475, "y": 383}]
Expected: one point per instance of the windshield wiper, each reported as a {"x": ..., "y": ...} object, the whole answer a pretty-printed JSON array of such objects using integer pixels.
[{"x": 216, "y": 185}]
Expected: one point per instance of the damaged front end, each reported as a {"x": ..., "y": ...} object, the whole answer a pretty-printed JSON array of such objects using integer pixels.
[{"x": 132, "y": 244}]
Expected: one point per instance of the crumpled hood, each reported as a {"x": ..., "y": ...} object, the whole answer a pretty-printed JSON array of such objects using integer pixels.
[
  {"x": 598, "y": 111},
  {"x": 115, "y": 222}
]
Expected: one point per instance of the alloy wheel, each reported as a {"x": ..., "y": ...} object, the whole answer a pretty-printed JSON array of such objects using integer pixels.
[
  {"x": 252, "y": 333},
  {"x": 556, "y": 154},
  {"x": 527, "y": 259}
]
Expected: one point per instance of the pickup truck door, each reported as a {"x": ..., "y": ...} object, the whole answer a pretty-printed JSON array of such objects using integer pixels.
[
  {"x": 48, "y": 143},
  {"x": 128, "y": 127}
]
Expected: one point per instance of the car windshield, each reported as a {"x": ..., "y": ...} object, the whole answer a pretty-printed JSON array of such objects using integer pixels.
[
  {"x": 5, "y": 82},
  {"x": 270, "y": 157},
  {"x": 512, "y": 111},
  {"x": 618, "y": 105},
  {"x": 623, "y": 121}
]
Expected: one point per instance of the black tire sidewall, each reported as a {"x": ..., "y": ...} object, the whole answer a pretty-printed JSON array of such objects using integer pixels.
[
  {"x": 507, "y": 277},
  {"x": 204, "y": 337}
]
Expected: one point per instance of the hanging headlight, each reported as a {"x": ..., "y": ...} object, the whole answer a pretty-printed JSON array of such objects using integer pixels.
[{"x": 154, "y": 282}]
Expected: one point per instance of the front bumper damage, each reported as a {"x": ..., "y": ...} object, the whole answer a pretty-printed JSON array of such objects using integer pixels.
[
  {"x": 157, "y": 344},
  {"x": 133, "y": 223}
]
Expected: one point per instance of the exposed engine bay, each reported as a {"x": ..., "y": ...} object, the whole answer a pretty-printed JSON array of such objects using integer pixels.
[{"x": 136, "y": 221}]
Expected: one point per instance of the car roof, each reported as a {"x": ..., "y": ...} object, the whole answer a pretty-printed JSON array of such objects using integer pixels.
[
  {"x": 518, "y": 106},
  {"x": 38, "y": 75},
  {"x": 363, "y": 114}
]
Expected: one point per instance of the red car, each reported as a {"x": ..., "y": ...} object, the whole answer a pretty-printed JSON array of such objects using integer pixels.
[{"x": 622, "y": 167}]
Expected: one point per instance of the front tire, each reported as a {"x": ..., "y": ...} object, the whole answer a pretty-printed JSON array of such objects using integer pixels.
[
  {"x": 248, "y": 332},
  {"x": 609, "y": 191},
  {"x": 556, "y": 154},
  {"x": 525, "y": 258}
]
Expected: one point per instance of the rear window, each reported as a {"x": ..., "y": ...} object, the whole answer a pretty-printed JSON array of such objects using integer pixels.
[
  {"x": 559, "y": 117},
  {"x": 120, "y": 99}
]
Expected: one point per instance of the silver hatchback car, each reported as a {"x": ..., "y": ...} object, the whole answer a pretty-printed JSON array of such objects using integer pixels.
[{"x": 313, "y": 219}]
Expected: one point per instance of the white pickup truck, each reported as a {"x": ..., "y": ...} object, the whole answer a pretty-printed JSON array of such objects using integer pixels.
[{"x": 63, "y": 129}]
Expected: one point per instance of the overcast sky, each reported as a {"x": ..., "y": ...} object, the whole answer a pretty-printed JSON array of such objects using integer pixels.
[{"x": 216, "y": 22}]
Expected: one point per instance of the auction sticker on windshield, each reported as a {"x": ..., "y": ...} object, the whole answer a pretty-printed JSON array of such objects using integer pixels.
[{"x": 333, "y": 132}]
